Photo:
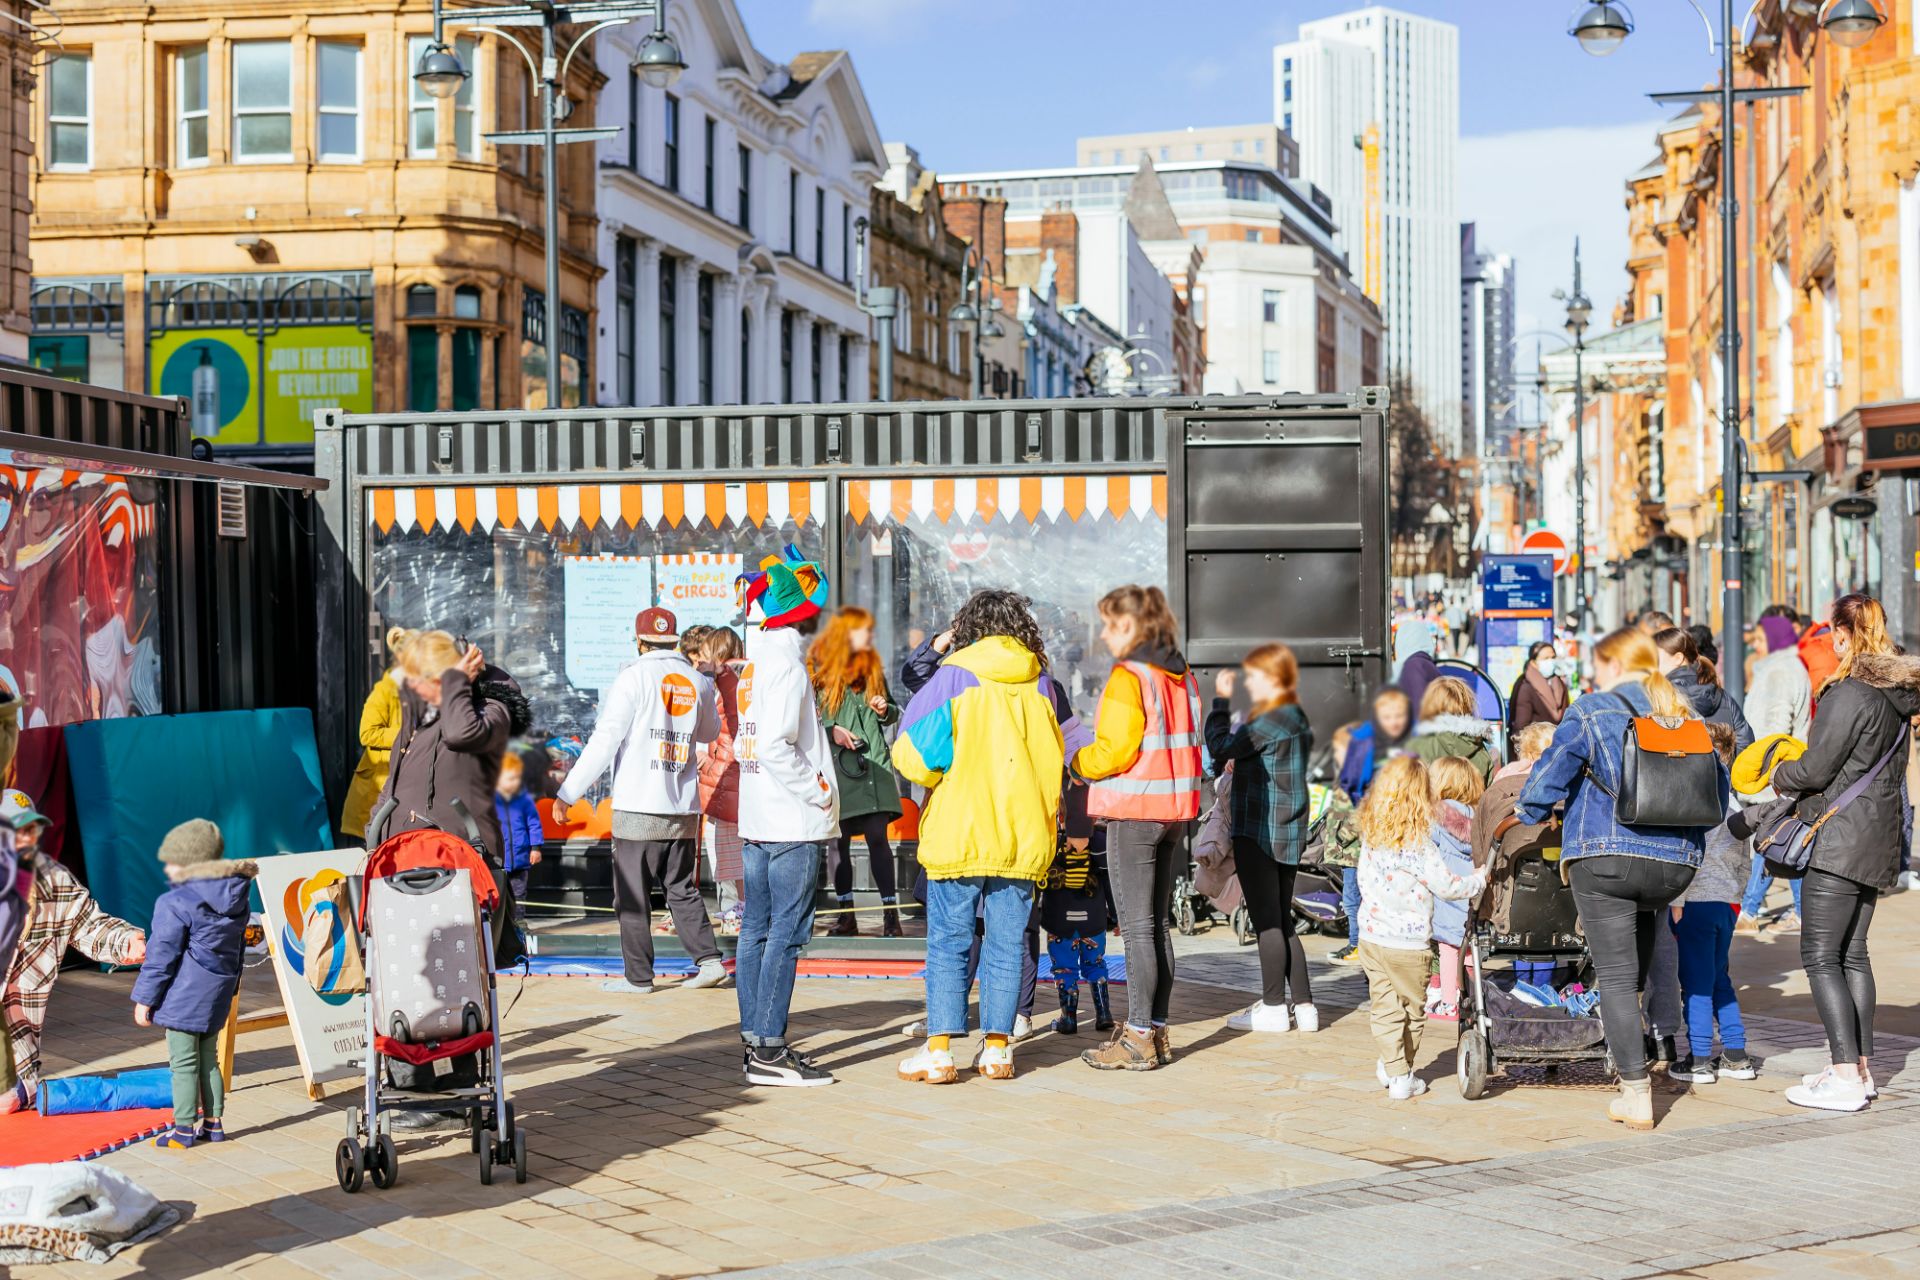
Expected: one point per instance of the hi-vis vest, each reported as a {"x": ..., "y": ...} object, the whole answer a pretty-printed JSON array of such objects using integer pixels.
[{"x": 1163, "y": 784}]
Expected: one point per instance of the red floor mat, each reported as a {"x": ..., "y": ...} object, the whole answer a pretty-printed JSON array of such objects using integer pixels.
[{"x": 27, "y": 1137}]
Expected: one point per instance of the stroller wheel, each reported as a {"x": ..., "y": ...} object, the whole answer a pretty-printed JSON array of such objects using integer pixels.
[
  {"x": 1243, "y": 926},
  {"x": 1184, "y": 917},
  {"x": 383, "y": 1162},
  {"x": 519, "y": 1155},
  {"x": 486, "y": 1155},
  {"x": 1475, "y": 1062},
  {"x": 349, "y": 1164}
]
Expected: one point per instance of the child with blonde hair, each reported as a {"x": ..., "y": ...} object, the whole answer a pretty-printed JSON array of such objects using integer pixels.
[
  {"x": 1401, "y": 873},
  {"x": 1456, "y": 789}
]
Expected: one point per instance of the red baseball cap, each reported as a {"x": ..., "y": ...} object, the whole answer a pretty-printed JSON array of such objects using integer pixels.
[{"x": 656, "y": 625}]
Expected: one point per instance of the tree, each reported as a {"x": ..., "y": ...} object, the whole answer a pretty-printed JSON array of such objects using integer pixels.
[{"x": 1418, "y": 478}]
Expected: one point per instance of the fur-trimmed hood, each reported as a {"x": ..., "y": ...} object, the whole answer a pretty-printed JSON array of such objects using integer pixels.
[
  {"x": 219, "y": 869},
  {"x": 1454, "y": 819},
  {"x": 1887, "y": 670},
  {"x": 1464, "y": 726}
]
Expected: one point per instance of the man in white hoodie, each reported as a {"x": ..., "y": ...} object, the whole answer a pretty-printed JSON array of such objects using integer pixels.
[
  {"x": 658, "y": 710},
  {"x": 789, "y": 809}
]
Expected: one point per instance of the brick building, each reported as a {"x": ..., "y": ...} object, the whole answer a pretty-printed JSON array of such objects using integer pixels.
[
  {"x": 914, "y": 251},
  {"x": 18, "y": 36}
]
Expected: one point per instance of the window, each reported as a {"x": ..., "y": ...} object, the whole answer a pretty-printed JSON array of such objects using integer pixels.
[
  {"x": 70, "y": 112},
  {"x": 846, "y": 242},
  {"x": 1782, "y": 341},
  {"x": 1286, "y": 122},
  {"x": 746, "y": 356},
  {"x": 262, "y": 100},
  {"x": 1831, "y": 355},
  {"x": 422, "y": 300},
  {"x": 634, "y": 85},
  {"x": 466, "y": 302},
  {"x": 903, "y": 326},
  {"x": 1270, "y": 305},
  {"x": 1327, "y": 331},
  {"x": 1286, "y": 90},
  {"x": 1251, "y": 235},
  {"x": 709, "y": 137},
  {"x": 1259, "y": 146},
  {"x": 1239, "y": 147},
  {"x": 786, "y": 357},
  {"x": 423, "y": 124},
  {"x": 813, "y": 353},
  {"x": 744, "y": 212},
  {"x": 1163, "y": 155},
  {"x": 670, "y": 126},
  {"x": 704, "y": 296},
  {"x": 423, "y": 368},
  {"x": 466, "y": 369},
  {"x": 846, "y": 358},
  {"x": 190, "y": 98},
  {"x": 625, "y": 263},
  {"x": 337, "y": 74},
  {"x": 793, "y": 213},
  {"x": 820, "y": 228},
  {"x": 669, "y": 364}
]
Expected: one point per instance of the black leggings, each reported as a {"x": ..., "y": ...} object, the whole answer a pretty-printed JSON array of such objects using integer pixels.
[
  {"x": 1835, "y": 914},
  {"x": 879, "y": 853},
  {"x": 1619, "y": 899},
  {"x": 1268, "y": 886}
]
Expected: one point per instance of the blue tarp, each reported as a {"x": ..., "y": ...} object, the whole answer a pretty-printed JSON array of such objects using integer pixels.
[
  {"x": 255, "y": 773},
  {"x": 128, "y": 1091}
]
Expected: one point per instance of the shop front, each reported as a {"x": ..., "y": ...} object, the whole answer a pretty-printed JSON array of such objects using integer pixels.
[{"x": 1866, "y": 534}]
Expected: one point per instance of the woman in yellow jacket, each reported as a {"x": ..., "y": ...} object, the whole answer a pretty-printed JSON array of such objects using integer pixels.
[
  {"x": 988, "y": 738},
  {"x": 379, "y": 726},
  {"x": 1144, "y": 767}
]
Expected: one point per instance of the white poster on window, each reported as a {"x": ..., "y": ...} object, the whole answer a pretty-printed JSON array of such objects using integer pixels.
[
  {"x": 603, "y": 596},
  {"x": 701, "y": 588}
]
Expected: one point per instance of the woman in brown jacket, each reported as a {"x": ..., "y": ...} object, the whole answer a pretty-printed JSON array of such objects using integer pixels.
[
  {"x": 453, "y": 731},
  {"x": 1538, "y": 694}
]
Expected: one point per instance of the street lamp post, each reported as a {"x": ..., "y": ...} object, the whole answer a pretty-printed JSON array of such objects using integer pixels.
[
  {"x": 442, "y": 74},
  {"x": 1601, "y": 28},
  {"x": 1579, "y": 312},
  {"x": 977, "y": 313},
  {"x": 880, "y": 301}
]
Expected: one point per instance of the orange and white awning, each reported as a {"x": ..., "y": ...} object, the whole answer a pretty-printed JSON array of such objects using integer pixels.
[
  {"x": 561, "y": 507},
  {"x": 1025, "y": 498}
]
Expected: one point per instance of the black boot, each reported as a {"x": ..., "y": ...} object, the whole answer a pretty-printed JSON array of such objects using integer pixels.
[
  {"x": 1068, "y": 1023},
  {"x": 890, "y": 923},
  {"x": 1102, "y": 1009},
  {"x": 844, "y": 925}
]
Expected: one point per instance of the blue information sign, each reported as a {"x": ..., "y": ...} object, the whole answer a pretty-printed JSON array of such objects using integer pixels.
[{"x": 1516, "y": 583}]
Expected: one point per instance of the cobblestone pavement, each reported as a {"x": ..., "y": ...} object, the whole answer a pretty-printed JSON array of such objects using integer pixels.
[{"x": 1252, "y": 1155}]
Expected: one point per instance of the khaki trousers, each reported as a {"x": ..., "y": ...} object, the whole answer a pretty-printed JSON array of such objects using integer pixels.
[{"x": 1396, "y": 1002}]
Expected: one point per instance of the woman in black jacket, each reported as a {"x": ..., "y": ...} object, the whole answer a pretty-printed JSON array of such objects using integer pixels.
[
  {"x": 1866, "y": 707},
  {"x": 1698, "y": 681}
]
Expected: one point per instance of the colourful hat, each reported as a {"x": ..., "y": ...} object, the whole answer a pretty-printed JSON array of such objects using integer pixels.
[
  {"x": 657, "y": 626},
  {"x": 17, "y": 811},
  {"x": 1753, "y": 768},
  {"x": 788, "y": 588}
]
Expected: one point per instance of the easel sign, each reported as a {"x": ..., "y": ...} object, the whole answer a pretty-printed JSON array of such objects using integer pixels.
[{"x": 329, "y": 1031}]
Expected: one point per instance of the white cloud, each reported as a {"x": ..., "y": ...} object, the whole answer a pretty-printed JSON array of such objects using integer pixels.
[{"x": 1533, "y": 191}]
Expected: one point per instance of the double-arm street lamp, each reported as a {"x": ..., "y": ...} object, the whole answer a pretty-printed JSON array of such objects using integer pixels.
[
  {"x": 977, "y": 313},
  {"x": 442, "y": 74},
  {"x": 1601, "y": 28},
  {"x": 1579, "y": 313}
]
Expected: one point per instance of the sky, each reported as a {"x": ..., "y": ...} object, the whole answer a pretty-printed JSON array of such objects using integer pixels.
[{"x": 1549, "y": 133}]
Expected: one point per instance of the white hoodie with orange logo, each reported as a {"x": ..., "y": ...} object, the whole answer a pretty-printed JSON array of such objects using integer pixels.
[{"x": 659, "y": 709}]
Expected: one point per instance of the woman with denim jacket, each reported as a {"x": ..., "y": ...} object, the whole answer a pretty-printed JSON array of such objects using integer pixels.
[{"x": 1622, "y": 876}]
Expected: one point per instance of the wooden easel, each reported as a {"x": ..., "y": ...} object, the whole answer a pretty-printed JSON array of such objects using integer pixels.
[{"x": 265, "y": 1020}]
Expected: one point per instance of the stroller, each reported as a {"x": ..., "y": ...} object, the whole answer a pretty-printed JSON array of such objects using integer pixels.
[
  {"x": 1317, "y": 882},
  {"x": 424, "y": 917},
  {"x": 1524, "y": 920}
]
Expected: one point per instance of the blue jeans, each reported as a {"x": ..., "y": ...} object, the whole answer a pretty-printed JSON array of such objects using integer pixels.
[
  {"x": 1757, "y": 885},
  {"x": 952, "y": 906},
  {"x": 1350, "y": 902},
  {"x": 776, "y": 921},
  {"x": 1705, "y": 932}
]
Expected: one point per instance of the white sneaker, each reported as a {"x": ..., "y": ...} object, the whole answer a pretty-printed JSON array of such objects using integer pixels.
[
  {"x": 1261, "y": 1016},
  {"x": 1380, "y": 1073},
  {"x": 1022, "y": 1028},
  {"x": 1306, "y": 1018},
  {"x": 712, "y": 974},
  {"x": 1813, "y": 1078},
  {"x": 995, "y": 1061},
  {"x": 1829, "y": 1092},
  {"x": 1400, "y": 1088},
  {"x": 1906, "y": 881},
  {"x": 915, "y": 1030},
  {"x": 934, "y": 1066}
]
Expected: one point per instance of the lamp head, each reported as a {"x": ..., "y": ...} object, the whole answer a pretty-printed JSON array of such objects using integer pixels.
[
  {"x": 1601, "y": 28},
  {"x": 1852, "y": 23},
  {"x": 658, "y": 60},
  {"x": 963, "y": 313},
  {"x": 440, "y": 73}
]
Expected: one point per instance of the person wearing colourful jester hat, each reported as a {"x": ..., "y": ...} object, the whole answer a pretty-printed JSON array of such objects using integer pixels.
[{"x": 789, "y": 809}]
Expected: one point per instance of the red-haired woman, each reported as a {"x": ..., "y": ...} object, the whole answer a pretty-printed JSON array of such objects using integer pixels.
[{"x": 851, "y": 684}]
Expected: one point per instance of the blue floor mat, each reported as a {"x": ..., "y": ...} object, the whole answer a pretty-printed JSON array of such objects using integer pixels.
[{"x": 677, "y": 967}]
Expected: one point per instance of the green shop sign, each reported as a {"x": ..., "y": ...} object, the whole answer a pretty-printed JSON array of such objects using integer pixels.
[{"x": 243, "y": 390}]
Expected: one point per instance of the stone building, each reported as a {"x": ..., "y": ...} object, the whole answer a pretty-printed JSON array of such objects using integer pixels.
[
  {"x": 913, "y": 251},
  {"x": 19, "y": 36},
  {"x": 257, "y": 206}
]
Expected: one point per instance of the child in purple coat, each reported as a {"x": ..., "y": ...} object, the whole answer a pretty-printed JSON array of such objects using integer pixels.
[{"x": 192, "y": 972}]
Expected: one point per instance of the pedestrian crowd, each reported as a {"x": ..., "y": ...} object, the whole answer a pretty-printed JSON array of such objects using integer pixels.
[{"x": 764, "y": 760}]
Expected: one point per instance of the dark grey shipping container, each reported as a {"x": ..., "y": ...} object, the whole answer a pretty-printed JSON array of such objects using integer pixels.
[{"x": 1263, "y": 517}]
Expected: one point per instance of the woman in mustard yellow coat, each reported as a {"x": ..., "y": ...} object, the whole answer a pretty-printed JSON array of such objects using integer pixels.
[{"x": 379, "y": 726}]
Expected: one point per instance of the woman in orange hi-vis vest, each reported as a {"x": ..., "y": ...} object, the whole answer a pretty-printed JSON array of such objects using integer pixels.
[{"x": 1144, "y": 764}]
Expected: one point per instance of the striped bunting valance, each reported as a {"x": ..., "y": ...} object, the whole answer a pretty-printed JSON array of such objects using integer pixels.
[
  {"x": 768, "y": 504},
  {"x": 1028, "y": 498}
]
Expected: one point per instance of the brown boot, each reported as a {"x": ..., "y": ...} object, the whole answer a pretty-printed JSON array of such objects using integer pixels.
[
  {"x": 1128, "y": 1050},
  {"x": 1634, "y": 1106},
  {"x": 1162, "y": 1047},
  {"x": 890, "y": 924},
  {"x": 845, "y": 925}
]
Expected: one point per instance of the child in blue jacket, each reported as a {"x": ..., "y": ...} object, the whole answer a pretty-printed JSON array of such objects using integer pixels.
[
  {"x": 192, "y": 972},
  {"x": 521, "y": 833}
]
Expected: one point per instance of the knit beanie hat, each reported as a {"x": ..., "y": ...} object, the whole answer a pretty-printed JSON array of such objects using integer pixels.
[
  {"x": 788, "y": 588},
  {"x": 1780, "y": 634},
  {"x": 193, "y": 842}
]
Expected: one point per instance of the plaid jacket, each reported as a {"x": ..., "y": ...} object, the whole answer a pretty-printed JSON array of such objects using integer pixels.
[
  {"x": 1269, "y": 801},
  {"x": 64, "y": 914}
]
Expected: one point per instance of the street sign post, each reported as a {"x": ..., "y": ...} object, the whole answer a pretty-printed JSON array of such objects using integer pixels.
[
  {"x": 1516, "y": 610},
  {"x": 1547, "y": 542}
]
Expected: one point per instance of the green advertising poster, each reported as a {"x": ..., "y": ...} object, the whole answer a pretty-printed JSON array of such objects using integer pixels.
[{"x": 307, "y": 368}]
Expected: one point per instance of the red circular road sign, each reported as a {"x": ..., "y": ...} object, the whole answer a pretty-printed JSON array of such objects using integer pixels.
[{"x": 1548, "y": 542}]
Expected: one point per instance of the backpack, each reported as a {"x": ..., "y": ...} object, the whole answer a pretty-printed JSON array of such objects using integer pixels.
[{"x": 1669, "y": 773}]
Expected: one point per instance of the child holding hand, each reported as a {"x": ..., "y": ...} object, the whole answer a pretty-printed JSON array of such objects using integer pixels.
[
  {"x": 1401, "y": 873},
  {"x": 192, "y": 972}
]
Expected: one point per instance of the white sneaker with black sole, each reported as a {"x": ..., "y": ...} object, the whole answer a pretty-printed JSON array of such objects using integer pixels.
[{"x": 788, "y": 1071}]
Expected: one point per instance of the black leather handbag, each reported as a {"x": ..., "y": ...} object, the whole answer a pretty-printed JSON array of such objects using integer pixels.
[
  {"x": 1669, "y": 774},
  {"x": 1788, "y": 844}
]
